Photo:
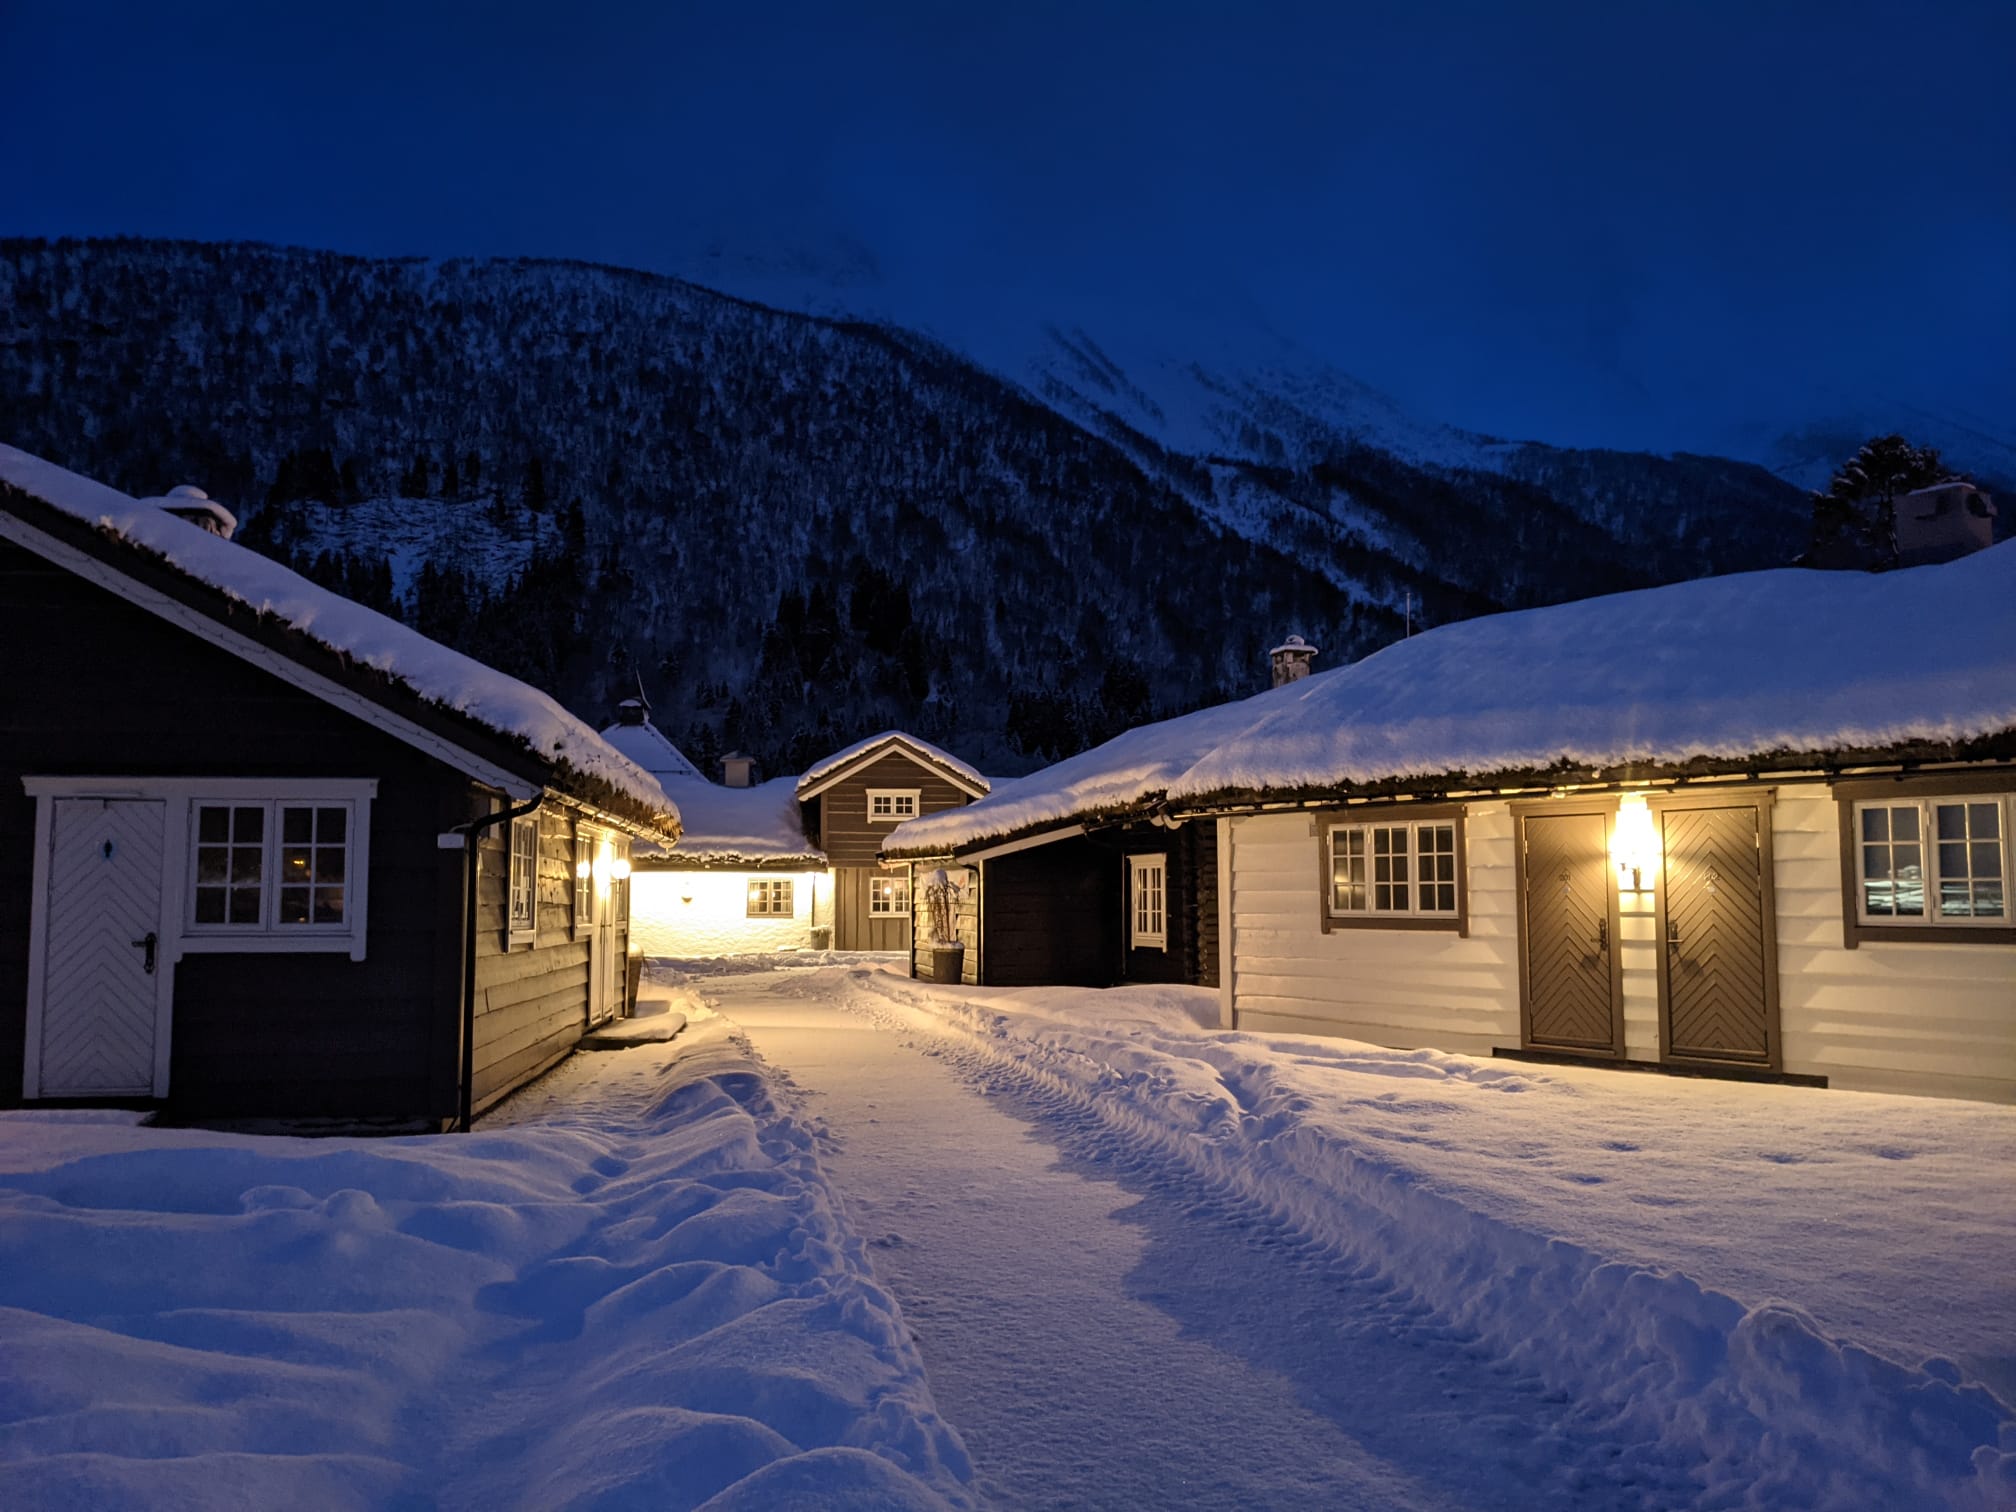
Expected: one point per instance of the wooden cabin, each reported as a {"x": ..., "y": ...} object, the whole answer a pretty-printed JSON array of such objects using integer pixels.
[
  {"x": 853, "y": 801},
  {"x": 266, "y": 854},
  {"x": 1758, "y": 827}
]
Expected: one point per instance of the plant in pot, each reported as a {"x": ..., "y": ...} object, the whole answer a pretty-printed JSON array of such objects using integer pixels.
[{"x": 941, "y": 898}]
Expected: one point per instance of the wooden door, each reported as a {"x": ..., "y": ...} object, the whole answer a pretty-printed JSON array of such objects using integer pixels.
[
  {"x": 102, "y": 949},
  {"x": 1568, "y": 934},
  {"x": 602, "y": 997},
  {"x": 1717, "y": 987}
]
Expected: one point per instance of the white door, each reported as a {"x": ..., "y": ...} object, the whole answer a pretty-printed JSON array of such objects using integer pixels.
[
  {"x": 602, "y": 996},
  {"x": 102, "y": 949}
]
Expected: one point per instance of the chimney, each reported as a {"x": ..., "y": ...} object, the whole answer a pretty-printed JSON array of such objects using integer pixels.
[
  {"x": 738, "y": 770},
  {"x": 1945, "y": 521},
  {"x": 186, "y": 501},
  {"x": 630, "y": 712},
  {"x": 1290, "y": 660}
]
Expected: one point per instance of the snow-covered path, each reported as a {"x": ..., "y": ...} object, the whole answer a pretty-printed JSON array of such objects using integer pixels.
[{"x": 1100, "y": 1347}]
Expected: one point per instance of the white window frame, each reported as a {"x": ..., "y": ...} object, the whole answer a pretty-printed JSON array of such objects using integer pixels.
[
  {"x": 521, "y": 882},
  {"x": 584, "y": 880},
  {"x": 904, "y": 803},
  {"x": 1148, "y": 922},
  {"x": 774, "y": 890},
  {"x": 269, "y": 924},
  {"x": 880, "y": 907},
  {"x": 1411, "y": 825},
  {"x": 1929, "y": 873}
]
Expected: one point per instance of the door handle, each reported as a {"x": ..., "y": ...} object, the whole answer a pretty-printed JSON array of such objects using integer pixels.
[
  {"x": 1603, "y": 935},
  {"x": 148, "y": 945},
  {"x": 1672, "y": 933}
]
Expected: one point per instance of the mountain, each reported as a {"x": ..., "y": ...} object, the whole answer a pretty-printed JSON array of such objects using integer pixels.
[{"x": 796, "y": 528}]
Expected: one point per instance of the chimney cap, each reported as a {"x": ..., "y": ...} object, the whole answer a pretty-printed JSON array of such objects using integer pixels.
[
  {"x": 1295, "y": 643},
  {"x": 188, "y": 502}
]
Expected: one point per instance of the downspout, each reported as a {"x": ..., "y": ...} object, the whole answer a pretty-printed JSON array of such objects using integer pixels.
[{"x": 470, "y": 853}]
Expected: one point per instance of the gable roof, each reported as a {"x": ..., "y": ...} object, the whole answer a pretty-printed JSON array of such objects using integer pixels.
[
  {"x": 843, "y": 764},
  {"x": 477, "y": 719},
  {"x": 1783, "y": 669},
  {"x": 753, "y": 827}
]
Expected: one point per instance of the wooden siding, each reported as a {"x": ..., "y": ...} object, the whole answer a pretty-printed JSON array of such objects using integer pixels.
[
  {"x": 1888, "y": 1016},
  {"x": 840, "y": 819},
  {"x": 1406, "y": 988},
  {"x": 532, "y": 1000},
  {"x": 966, "y": 923},
  {"x": 96, "y": 686},
  {"x": 1190, "y": 903},
  {"x": 1051, "y": 916},
  {"x": 854, "y": 927}
]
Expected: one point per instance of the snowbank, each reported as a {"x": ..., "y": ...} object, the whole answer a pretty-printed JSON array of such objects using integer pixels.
[
  {"x": 831, "y": 764},
  {"x": 371, "y": 639},
  {"x": 630, "y": 1287},
  {"x": 1801, "y": 1297}
]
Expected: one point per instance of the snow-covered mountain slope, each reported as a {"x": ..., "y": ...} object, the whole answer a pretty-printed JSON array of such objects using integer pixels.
[{"x": 800, "y": 529}]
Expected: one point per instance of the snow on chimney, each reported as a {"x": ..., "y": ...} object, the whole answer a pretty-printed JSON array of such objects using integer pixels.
[
  {"x": 738, "y": 770},
  {"x": 630, "y": 712},
  {"x": 188, "y": 502},
  {"x": 1290, "y": 660}
]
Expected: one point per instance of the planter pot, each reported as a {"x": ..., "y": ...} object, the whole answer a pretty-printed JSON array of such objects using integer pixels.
[{"x": 948, "y": 962}]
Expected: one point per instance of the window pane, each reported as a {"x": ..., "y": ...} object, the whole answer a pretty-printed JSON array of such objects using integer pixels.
[
  {"x": 294, "y": 863},
  {"x": 297, "y": 826},
  {"x": 1953, "y": 861},
  {"x": 211, "y": 865},
  {"x": 1876, "y": 862},
  {"x": 1952, "y": 820},
  {"x": 331, "y": 824},
  {"x": 245, "y": 866},
  {"x": 248, "y": 824},
  {"x": 244, "y": 905},
  {"x": 328, "y": 905},
  {"x": 329, "y": 864},
  {"x": 1904, "y": 823},
  {"x": 1987, "y": 900},
  {"x": 1987, "y": 858},
  {"x": 209, "y": 905},
  {"x": 1956, "y": 900},
  {"x": 1876, "y": 899},
  {"x": 293, "y": 905},
  {"x": 213, "y": 823}
]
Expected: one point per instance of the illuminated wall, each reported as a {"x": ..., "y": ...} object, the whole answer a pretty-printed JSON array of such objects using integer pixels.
[{"x": 694, "y": 914}]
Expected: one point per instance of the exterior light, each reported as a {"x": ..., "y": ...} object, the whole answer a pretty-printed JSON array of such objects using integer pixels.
[
  {"x": 620, "y": 869},
  {"x": 581, "y": 868},
  {"x": 1634, "y": 844},
  {"x": 601, "y": 868}
]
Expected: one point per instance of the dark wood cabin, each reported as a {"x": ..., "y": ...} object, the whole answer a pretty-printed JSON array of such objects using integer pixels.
[
  {"x": 852, "y": 801},
  {"x": 235, "y": 870},
  {"x": 1133, "y": 903}
]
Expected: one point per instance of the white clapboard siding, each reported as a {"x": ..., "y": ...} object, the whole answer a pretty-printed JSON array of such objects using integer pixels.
[
  {"x": 1400, "y": 987},
  {"x": 1893, "y": 1016}
]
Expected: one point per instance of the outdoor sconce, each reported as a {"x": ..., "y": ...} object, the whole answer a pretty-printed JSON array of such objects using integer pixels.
[
  {"x": 1634, "y": 844},
  {"x": 620, "y": 868},
  {"x": 581, "y": 868}
]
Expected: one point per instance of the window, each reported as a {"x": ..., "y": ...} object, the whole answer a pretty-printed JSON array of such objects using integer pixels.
[
  {"x": 271, "y": 868},
  {"x": 524, "y": 880},
  {"x": 892, "y": 805},
  {"x": 584, "y": 880},
  {"x": 1394, "y": 873},
  {"x": 1935, "y": 861},
  {"x": 770, "y": 899},
  {"x": 1149, "y": 923},
  {"x": 889, "y": 894}
]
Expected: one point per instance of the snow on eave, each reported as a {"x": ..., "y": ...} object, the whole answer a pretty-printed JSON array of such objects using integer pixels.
[
  {"x": 578, "y": 762},
  {"x": 823, "y": 773},
  {"x": 728, "y": 827},
  {"x": 1757, "y": 669}
]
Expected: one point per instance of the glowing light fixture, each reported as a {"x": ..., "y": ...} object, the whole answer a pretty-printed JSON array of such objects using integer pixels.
[
  {"x": 581, "y": 868},
  {"x": 620, "y": 869},
  {"x": 1634, "y": 844}
]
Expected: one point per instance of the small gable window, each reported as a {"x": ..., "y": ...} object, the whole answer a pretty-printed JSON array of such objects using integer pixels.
[
  {"x": 892, "y": 805},
  {"x": 770, "y": 898}
]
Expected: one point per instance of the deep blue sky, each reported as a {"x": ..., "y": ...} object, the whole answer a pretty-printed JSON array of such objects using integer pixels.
[{"x": 1632, "y": 223}]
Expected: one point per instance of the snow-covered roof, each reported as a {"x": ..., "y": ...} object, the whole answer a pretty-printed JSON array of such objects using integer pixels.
[
  {"x": 438, "y": 675},
  {"x": 728, "y": 826},
  {"x": 1789, "y": 661},
  {"x": 1106, "y": 779},
  {"x": 651, "y": 749},
  {"x": 821, "y": 771},
  {"x": 721, "y": 826}
]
